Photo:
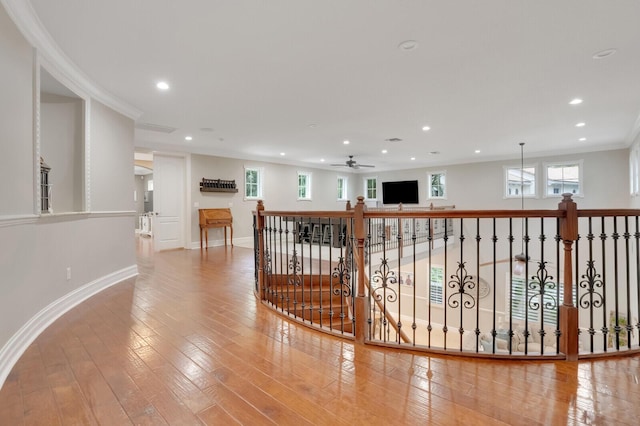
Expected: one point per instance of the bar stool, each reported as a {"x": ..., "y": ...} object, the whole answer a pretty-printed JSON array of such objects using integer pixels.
[
  {"x": 326, "y": 234},
  {"x": 315, "y": 234}
]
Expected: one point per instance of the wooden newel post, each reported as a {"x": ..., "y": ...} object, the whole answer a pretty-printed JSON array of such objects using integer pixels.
[
  {"x": 568, "y": 312},
  {"x": 361, "y": 313},
  {"x": 260, "y": 248}
]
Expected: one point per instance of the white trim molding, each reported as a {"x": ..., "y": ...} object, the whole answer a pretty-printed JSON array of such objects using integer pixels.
[
  {"x": 20, "y": 341},
  {"x": 24, "y": 16}
]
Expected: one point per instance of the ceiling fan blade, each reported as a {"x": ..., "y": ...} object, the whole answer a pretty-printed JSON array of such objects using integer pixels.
[
  {"x": 338, "y": 165},
  {"x": 366, "y": 165}
]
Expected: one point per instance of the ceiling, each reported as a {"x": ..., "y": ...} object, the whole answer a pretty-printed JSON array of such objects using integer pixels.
[{"x": 253, "y": 79}]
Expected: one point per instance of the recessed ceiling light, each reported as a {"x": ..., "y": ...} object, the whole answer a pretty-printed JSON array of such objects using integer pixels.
[
  {"x": 188, "y": 138},
  {"x": 582, "y": 139},
  {"x": 604, "y": 53},
  {"x": 162, "y": 85},
  {"x": 384, "y": 151},
  {"x": 408, "y": 45},
  {"x": 282, "y": 153},
  {"x": 322, "y": 160},
  {"x": 576, "y": 101},
  {"x": 413, "y": 158},
  {"x": 426, "y": 128},
  {"x": 477, "y": 151},
  {"x": 580, "y": 124},
  {"x": 345, "y": 142}
]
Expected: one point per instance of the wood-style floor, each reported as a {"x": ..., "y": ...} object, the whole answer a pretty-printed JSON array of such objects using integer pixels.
[{"x": 186, "y": 343}]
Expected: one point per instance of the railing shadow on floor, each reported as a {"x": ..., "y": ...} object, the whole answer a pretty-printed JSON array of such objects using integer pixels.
[{"x": 551, "y": 284}]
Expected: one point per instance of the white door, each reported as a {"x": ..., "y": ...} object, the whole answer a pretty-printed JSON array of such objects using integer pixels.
[{"x": 168, "y": 201}]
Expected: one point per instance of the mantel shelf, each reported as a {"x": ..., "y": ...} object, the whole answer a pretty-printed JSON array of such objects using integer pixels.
[{"x": 218, "y": 189}]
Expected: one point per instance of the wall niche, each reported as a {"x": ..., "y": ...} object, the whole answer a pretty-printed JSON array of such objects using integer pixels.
[{"x": 62, "y": 146}]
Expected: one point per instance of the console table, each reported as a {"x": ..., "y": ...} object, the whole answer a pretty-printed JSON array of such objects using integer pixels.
[{"x": 215, "y": 218}]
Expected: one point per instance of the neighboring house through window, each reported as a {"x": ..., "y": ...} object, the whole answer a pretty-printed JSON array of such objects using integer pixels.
[
  {"x": 304, "y": 186},
  {"x": 564, "y": 178},
  {"x": 252, "y": 183},
  {"x": 520, "y": 182}
]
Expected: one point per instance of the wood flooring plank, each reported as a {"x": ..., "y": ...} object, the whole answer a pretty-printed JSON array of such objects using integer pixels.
[
  {"x": 40, "y": 408},
  {"x": 186, "y": 343}
]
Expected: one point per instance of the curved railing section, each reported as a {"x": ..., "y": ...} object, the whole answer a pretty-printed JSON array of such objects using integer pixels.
[{"x": 501, "y": 283}]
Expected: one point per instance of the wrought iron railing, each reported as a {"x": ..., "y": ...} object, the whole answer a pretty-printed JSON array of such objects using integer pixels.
[{"x": 501, "y": 283}]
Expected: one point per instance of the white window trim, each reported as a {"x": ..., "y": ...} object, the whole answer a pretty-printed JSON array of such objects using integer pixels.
[
  {"x": 309, "y": 185},
  {"x": 563, "y": 163},
  {"x": 366, "y": 193},
  {"x": 260, "y": 171},
  {"x": 634, "y": 169},
  {"x": 345, "y": 188},
  {"x": 430, "y": 294},
  {"x": 505, "y": 175},
  {"x": 519, "y": 291},
  {"x": 437, "y": 172}
]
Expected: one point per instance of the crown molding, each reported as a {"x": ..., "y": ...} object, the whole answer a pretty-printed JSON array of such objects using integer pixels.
[{"x": 25, "y": 18}]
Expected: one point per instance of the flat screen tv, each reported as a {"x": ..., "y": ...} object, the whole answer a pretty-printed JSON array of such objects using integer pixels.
[{"x": 405, "y": 192}]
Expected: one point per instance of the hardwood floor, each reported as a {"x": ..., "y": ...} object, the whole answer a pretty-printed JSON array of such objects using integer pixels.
[{"x": 186, "y": 343}]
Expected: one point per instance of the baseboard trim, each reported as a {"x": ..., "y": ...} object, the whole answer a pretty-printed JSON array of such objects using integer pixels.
[
  {"x": 20, "y": 341},
  {"x": 240, "y": 242}
]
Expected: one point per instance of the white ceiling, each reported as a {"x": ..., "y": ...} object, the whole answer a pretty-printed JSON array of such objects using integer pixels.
[{"x": 301, "y": 76}]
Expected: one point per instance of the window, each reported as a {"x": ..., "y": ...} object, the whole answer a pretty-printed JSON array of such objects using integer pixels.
[
  {"x": 252, "y": 183},
  {"x": 437, "y": 188},
  {"x": 634, "y": 169},
  {"x": 520, "y": 182},
  {"x": 371, "y": 188},
  {"x": 304, "y": 186},
  {"x": 522, "y": 308},
  {"x": 436, "y": 284},
  {"x": 564, "y": 178},
  {"x": 342, "y": 188}
]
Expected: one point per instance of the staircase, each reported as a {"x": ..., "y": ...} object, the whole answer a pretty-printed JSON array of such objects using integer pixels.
[{"x": 313, "y": 299}]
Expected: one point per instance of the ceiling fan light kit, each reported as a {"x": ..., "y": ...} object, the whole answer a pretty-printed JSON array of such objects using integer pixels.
[{"x": 352, "y": 164}]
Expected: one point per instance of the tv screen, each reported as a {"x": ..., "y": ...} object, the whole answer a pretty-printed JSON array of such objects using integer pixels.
[{"x": 405, "y": 192}]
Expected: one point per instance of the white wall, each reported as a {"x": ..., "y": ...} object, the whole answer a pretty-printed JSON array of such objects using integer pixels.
[
  {"x": 61, "y": 147},
  {"x": 469, "y": 186},
  {"x": 111, "y": 154},
  {"x": 481, "y": 185},
  {"x": 16, "y": 112},
  {"x": 280, "y": 192},
  {"x": 98, "y": 248}
]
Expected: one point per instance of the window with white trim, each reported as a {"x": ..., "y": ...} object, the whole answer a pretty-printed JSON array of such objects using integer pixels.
[
  {"x": 437, "y": 185},
  {"x": 371, "y": 188},
  {"x": 436, "y": 284},
  {"x": 342, "y": 188},
  {"x": 561, "y": 178},
  {"x": 520, "y": 182},
  {"x": 529, "y": 305},
  {"x": 304, "y": 186},
  {"x": 252, "y": 183},
  {"x": 634, "y": 169}
]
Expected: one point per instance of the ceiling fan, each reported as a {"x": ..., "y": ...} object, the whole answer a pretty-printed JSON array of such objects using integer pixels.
[{"x": 351, "y": 163}]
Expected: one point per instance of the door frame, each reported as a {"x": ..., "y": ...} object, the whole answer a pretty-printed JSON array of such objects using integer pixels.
[{"x": 186, "y": 193}]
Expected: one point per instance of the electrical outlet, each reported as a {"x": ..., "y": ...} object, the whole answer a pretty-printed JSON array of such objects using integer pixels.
[{"x": 68, "y": 273}]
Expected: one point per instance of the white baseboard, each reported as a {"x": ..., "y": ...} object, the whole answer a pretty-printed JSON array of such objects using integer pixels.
[
  {"x": 240, "y": 242},
  {"x": 20, "y": 341}
]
